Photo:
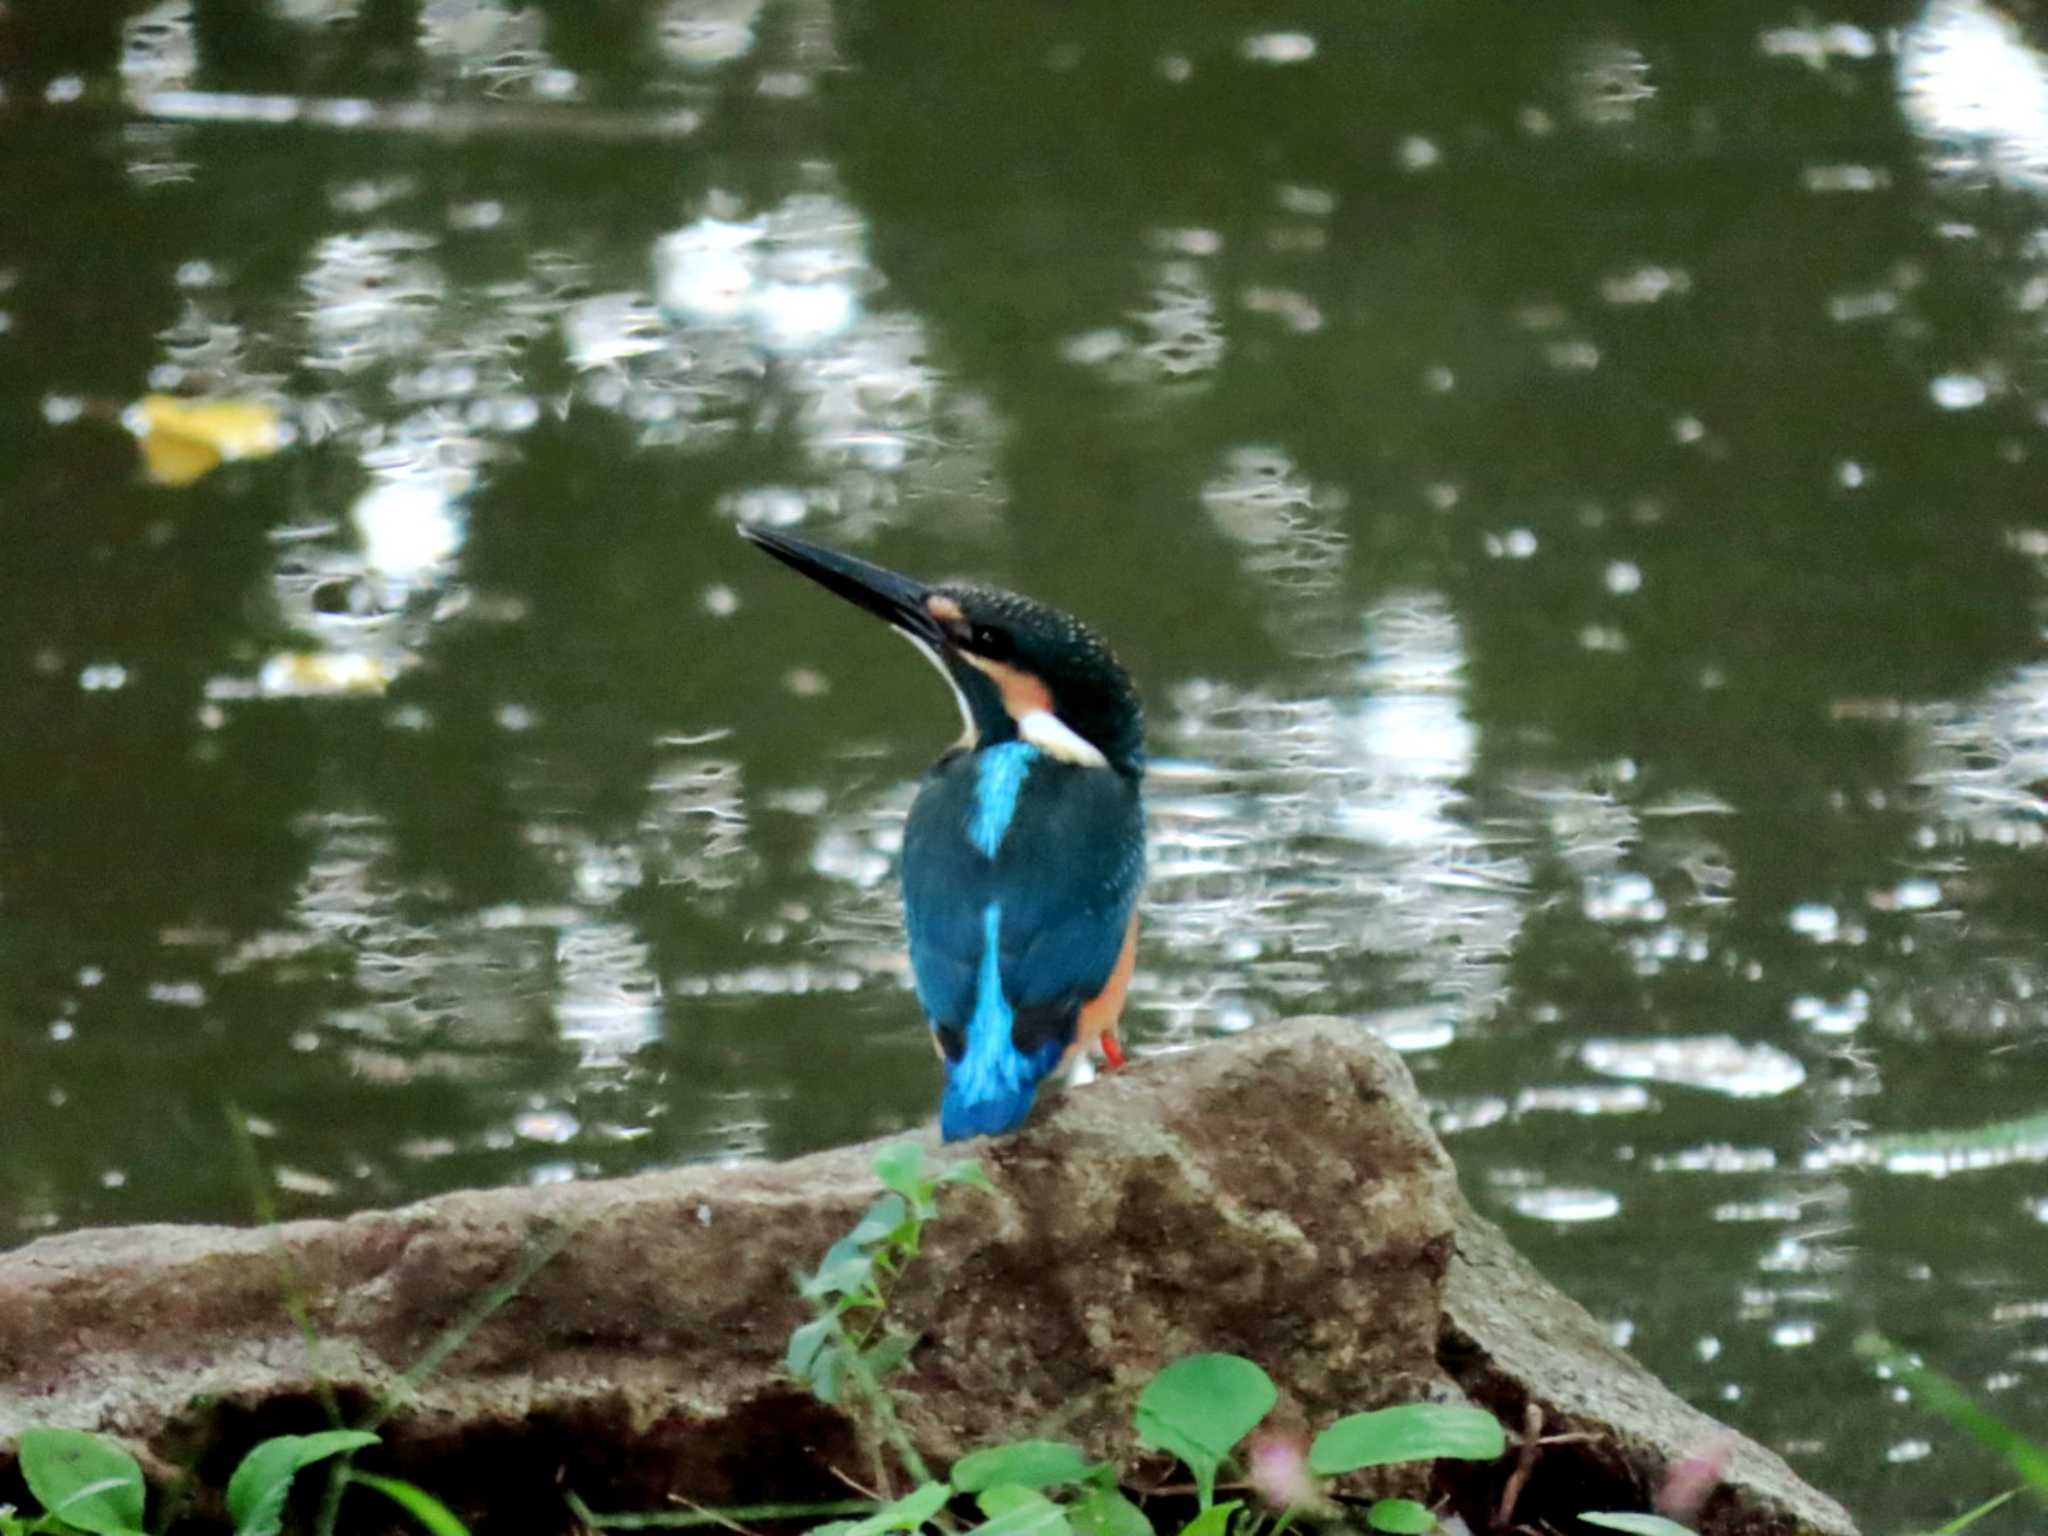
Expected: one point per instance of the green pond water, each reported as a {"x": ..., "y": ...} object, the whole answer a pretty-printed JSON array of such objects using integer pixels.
[{"x": 1567, "y": 479}]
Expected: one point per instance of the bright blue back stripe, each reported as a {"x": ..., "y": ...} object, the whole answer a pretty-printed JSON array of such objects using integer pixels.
[
  {"x": 990, "y": 1066},
  {"x": 999, "y": 781}
]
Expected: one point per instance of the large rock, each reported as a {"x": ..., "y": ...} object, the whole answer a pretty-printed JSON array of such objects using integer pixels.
[{"x": 1280, "y": 1196}]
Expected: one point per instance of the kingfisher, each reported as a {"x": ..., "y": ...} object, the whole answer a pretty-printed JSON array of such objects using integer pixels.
[{"x": 1025, "y": 847}]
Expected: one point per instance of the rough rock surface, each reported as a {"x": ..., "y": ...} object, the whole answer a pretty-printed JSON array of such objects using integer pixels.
[{"x": 1279, "y": 1195}]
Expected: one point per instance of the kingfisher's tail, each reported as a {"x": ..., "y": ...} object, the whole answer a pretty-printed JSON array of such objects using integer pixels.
[{"x": 962, "y": 1114}]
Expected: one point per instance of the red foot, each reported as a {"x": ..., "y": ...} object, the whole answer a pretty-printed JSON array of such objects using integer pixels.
[{"x": 1112, "y": 1053}]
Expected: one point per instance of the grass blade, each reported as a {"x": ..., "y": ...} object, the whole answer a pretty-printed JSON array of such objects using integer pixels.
[{"x": 417, "y": 1502}]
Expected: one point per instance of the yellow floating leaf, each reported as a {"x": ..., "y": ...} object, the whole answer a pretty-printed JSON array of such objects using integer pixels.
[
  {"x": 174, "y": 460},
  {"x": 184, "y": 439},
  {"x": 326, "y": 674}
]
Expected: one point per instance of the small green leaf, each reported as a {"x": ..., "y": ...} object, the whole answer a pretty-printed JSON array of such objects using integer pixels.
[
  {"x": 828, "y": 1373},
  {"x": 1411, "y": 1432},
  {"x": 1106, "y": 1512},
  {"x": 1199, "y": 1407},
  {"x": 900, "y": 1166},
  {"x": 883, "y": 1217},
  {"x": 1005, "y": 1497},
  {"x": 804, "y": 1345},
  {"x": 87, "y": 1481},
  {"x": 1213, "y": 1521},
  {"x": 1014, "y": 1510},
  {"x": 967, "y": 1171},
  {"x": 1403, "y": 1517},
  {"x": 257, "y": 1491},
  {"x": 845, "y": 1267},
  {"x": 832, "y": 1528},
  {"x": 887, "y": 1354},
  {"x": 1029, "y": 1463},
  {"x": 907, "y": 1513},
  {"x": 1639, "y": 1525},
  {"x": 417, "y": 1502}
]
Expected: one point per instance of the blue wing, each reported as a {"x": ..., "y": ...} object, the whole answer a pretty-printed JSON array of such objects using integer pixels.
[
  {"x": 1075, "y": 857},
  {"x": 1017, "y": 891},
  {"x": 947, "y": 882}
]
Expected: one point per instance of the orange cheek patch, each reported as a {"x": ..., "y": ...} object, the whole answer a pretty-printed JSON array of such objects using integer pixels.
[
  {"x": 1022, "y": 693},
  {"x": 944, "y": 609}
]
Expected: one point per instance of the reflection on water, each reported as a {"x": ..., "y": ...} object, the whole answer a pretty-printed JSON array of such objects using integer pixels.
[
  {"x": 1571, "y": 509},
  {"x": 1971, "y": 82},
  {"x": 1291, "y": 833}
]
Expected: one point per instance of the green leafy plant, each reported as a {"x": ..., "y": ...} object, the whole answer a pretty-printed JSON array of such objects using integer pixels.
[
  {"x": 88, "y": 1483},
  {"x": 1199, "y": 1408},
  {"x": 1403, "y": 1517},
  {"x": 84, "y": 1482},
  {"x": 1410, "y": 1432},
  {"x": 259, "y": 1486},
  {"x": 851, "y": 1336}
]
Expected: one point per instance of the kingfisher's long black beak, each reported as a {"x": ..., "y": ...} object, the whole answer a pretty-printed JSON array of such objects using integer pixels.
[{"x": 882, "y": 592}]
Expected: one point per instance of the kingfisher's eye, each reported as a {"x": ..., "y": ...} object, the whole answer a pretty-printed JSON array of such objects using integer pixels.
[{"x": 992, "y": 643}]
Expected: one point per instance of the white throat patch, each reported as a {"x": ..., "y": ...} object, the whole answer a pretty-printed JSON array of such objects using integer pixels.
[{"x": 1055, "y": 738}]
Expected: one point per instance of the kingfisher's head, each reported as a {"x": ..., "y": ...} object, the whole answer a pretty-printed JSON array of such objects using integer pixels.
[{"x": 1020, "y": 669}]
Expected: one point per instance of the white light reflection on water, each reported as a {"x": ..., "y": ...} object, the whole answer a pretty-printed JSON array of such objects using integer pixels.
[
  {"x": 1841, "y": 1017},
  {"x": 1175, "y": 333},
  {"x": 374, "y": 297},
  {"x": 1610, "y": 82},
  {"x": 1288, "y": 529},
  {"x": 1979, "y": 766},
  {"x": 1718, "y": 1063},
  {"x": 773, "y": 316},
  {"x": 439, "y": 993},
  {"x": 607, "y": 1001},
  {"x": 425, "y": 391},
  {"x": 409, "y": 523},
  {"x": 159, "y": 50},
  {"x": 702, "y": 33},
  {"x": 693, "y": 827},
  {"x": 467, "y": 989},
  {"x": 1717, "y": 1158},
  {"x": 1294, "y": 838},
  {"x": 792, "y": 278},
  {"x": 502, "y": 48},
  {"x": 1984, "y": 762},
  {"x": 605, "y": 995},
  {"x": 1412, "y": 723},
  {"x": 1567, "y": 1205},
  {"x": 316, "y": 13},
  {"x": 859, "y": 927},
  {"x": 1938, "y": 1154},
  {"x": 1584, "y": 1099},
  {"x": 1972, "y": 86},
  {"x": 1817, "y": 46}
]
